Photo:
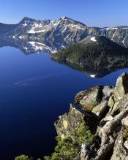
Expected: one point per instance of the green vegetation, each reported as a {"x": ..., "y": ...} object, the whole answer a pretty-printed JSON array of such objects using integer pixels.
[
  {"x": 74, "y": 53},
  {"x": 23, "y": 157},
  {"x": 89, "y": 55},
  {"x": 69, "y": 147}
]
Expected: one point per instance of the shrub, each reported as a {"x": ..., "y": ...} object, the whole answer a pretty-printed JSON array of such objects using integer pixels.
[
  {"x": 23, "y": 157},
  {"x": 69, "y": 147}
]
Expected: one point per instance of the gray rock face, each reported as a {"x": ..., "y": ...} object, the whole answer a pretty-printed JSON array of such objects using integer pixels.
[
  {"x": 120, "y": 151},
  {"x": 110, "y": 138},
  {"x": 59, "y": 33},
  {"x": 90, "y": 98},
  {"x": 121, "y": 86},
  {"x": 113, "y": 127},
  {"x": 67, "y": 123}
]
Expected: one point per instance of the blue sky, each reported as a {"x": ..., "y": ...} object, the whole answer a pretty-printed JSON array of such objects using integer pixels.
[{"x": 91, "y": 12}]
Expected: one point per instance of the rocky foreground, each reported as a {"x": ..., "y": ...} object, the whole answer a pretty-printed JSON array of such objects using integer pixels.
[{"x": 96, "y": 126}]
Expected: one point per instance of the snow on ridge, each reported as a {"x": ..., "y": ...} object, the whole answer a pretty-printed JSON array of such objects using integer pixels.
[
  {"x": 40, "y": 27},
  {"x": 115, "y": 28},
  {"x": 124, "y": 41},
  {"x": 93, "y": 39},
  {"x": 32, "y": 31},
  {"x": 111, "y": 28},
  {"x": 124, "y": 28},
  {"x": 76, "y": 26},
  {"x": 55, "y": 23},
  {"x": 14, "y": 37},
  {"x": 25, "y": 24}
]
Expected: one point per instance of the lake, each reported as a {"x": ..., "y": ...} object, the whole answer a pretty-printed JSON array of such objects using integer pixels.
[{"x": 34, "y": 91}]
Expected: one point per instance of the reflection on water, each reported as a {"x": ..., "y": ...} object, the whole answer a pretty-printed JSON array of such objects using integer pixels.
[
  {"x": 94, "y": 66},
  {"x": 34, "y": 91}
]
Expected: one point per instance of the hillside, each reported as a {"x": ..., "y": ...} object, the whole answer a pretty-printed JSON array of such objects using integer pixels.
[{"x": 96, "y": 55}]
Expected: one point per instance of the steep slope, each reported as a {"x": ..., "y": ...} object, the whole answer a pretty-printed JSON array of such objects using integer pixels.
[
  {"x": 96, "y": 126},
  {"x": 117, "y": 34},
  {"x": 96, "y": 55}
]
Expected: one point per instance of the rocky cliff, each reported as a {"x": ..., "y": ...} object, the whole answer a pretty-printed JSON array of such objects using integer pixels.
[{"x": 96, "y": 126}]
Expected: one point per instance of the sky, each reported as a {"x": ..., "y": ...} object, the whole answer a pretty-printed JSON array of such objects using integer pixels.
[{"x": 91, "y": 12}]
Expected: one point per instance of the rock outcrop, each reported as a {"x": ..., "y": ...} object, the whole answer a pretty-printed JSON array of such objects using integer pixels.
[{"x": 96, "y": 126}]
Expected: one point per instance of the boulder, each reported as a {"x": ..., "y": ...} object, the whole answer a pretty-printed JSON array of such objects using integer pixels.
[
  {"x": 111, "y": 101},
  {"x": 79, "y": 96},
  {"x": 121, "y": 87},
  {"x": 119, "y": 94},
  {"x": 107, "y": 91},
  {"x": 100, "y": 108},
  {"x": 67, "y": 123},
  {"x": 125, "y": 122},
  {"x": 91, "y": 98}
]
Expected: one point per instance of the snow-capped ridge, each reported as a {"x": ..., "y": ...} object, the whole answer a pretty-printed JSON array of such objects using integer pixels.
[{"x": 61, "y": 32}]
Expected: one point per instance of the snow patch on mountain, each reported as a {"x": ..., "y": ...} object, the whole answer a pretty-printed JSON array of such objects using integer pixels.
[
  {"x": 32, "y": 31},
  {"x": 93, "y": 39},
  {"x": 111, "y": 28},
  {"x": 25, "y": 24}
]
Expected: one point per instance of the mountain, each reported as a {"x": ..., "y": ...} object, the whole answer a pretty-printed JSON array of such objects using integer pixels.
[
  {"x": 53, "y": 35},
  {"x": 96, "y": 55}
]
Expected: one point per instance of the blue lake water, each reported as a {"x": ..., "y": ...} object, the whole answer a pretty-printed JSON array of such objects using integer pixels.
[{"x": 34, "y": 91}]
